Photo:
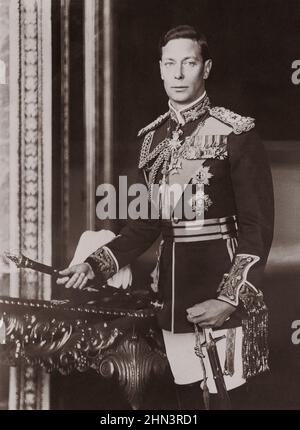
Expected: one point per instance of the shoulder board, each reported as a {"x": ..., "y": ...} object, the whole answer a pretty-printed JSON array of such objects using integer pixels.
[
  {"x": 240, "y": 124},
  {"x": 154, "y": 124}
]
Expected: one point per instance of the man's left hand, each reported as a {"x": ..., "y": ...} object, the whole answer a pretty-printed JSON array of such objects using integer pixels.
[{"x": 211, "y": 313}]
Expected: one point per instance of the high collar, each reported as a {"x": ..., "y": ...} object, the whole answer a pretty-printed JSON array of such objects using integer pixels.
[{"x": 191, "y": 112}]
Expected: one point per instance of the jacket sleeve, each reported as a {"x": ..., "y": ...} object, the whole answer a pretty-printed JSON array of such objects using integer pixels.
[
  {"x": 134, "y": 239},
  {"x": 253, "y": 191}
]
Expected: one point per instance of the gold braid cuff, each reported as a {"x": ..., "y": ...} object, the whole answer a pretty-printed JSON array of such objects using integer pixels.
[
  {"x": 233, "y": 282},
  {"x": 103, "y": 264}
]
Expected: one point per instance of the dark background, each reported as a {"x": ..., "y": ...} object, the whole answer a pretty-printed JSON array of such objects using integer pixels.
[{"x": 253, "y": 45}]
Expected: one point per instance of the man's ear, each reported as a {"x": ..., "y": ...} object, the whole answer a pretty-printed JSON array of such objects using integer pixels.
[
  {"x": 207, "y": 68},
  {"x": 161, "y": 72}
]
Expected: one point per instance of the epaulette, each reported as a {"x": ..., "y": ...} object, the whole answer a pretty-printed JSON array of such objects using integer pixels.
[
  {"x": 154, "y": 124},
  {"x": 240, "y": 124}
]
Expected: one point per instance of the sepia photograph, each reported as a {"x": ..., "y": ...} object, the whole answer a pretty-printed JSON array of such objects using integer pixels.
[{"x": 150, "y": 206}]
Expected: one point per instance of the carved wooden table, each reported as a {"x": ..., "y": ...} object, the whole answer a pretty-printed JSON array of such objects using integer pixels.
[{"x": 112, "y": 332}]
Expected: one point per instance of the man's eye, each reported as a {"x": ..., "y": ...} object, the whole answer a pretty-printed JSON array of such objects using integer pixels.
[
  {"x": 168, "y": 64},
  {"x": 190, "y": 63}
]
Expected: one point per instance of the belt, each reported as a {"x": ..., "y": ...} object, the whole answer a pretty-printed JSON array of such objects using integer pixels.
[{"x": 200, "y": 230}]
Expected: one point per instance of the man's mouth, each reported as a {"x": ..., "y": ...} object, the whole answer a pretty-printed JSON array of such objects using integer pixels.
[{"x": 179, "y": 88}]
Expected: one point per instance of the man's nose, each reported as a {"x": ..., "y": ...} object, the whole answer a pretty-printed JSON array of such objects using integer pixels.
[{"x": 179, "y": 72}]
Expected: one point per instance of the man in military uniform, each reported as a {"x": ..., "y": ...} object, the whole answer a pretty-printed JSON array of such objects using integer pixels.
[{"x": 210, "y": 265}]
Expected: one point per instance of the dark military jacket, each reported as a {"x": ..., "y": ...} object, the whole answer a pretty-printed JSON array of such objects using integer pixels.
[{"x": 222, "y": 251}]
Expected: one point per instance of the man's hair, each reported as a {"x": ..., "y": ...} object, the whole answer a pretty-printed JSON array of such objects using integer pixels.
[{"x": 186, "y": 32}]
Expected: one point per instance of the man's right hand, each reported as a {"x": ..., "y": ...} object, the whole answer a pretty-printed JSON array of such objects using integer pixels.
[{"x": 76, "y": 276}]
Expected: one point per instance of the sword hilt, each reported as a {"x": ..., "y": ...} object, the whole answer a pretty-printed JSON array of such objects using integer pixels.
[
  {"x": 216, "y": 368},
  {"x": 26, "y": 263},
  {"x": 209, "y": 339},
  {"x": 23, "y": 262}
]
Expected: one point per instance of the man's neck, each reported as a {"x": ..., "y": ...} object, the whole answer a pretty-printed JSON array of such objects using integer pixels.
[{"x": 179, "y": 107}]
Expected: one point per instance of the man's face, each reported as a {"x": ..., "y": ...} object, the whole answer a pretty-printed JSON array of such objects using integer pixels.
[{"x": 183, "y": 71}]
